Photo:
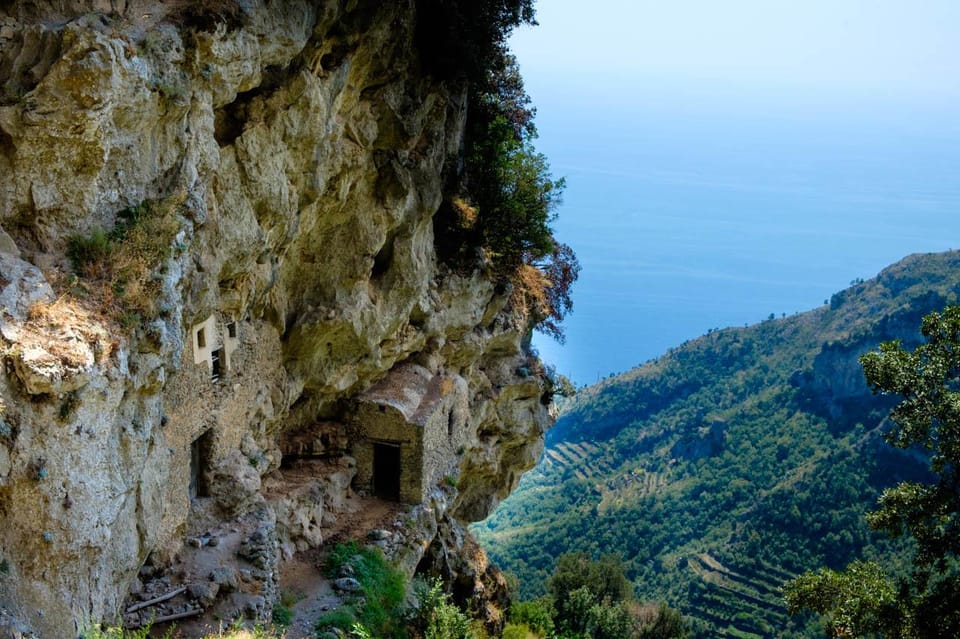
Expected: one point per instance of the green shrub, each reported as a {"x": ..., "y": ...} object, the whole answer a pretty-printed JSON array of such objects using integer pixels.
[
  {"x": 282, "y": 616},
  {"x": 519, "y": 631},
  {"x": 343, "y": 618},
  {"x": 536, "y": 614},
  {"x": 85, "y": 251},
  {"x": 379, "y": 608},
  {"x": 436, "y": 616}
]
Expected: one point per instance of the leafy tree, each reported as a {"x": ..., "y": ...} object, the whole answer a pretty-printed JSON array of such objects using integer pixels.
[
  {"x": 593, "y": 599},
  {"x": 611, "y": 621},
  {"x": 928, "y": 379},
  {"x": 862, "y": 599},
  {"x": 667, "y": 624},
  {"x": 578, "y": 582}
]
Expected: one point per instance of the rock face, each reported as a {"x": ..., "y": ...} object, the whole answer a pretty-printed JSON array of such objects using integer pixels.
[{"x": 290, "y": 158}]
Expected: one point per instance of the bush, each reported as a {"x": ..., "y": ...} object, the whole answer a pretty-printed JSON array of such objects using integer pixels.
[
  {"x": 519, "y": 631},
  {"x": 87, "y": 252},
  {"x": 536, "y": 614},
  {"x": 282, "y": 616},
  {"x": 343, "y": 618},
  {"x": 436, "y": 616},
  {"x": 378, "y": 608}
]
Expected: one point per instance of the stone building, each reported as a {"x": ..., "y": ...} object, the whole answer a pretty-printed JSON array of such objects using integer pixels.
[
  {"x": 214, "y": 346},
  {"x": 409, "y": 430}
]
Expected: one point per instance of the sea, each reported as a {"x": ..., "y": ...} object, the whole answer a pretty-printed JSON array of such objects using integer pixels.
[{"x": 694, "y": 208}]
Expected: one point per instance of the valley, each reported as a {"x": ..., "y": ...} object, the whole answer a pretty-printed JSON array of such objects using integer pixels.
[{"x": 732, "y": 463}]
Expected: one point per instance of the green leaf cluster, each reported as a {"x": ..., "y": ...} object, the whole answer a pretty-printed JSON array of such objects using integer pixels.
[{"x": 592, "y": 599}]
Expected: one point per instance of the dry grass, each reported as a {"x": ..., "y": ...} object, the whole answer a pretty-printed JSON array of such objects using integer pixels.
[
  {"x": 466, "y": 214},
  {"x": 67, "y": 331},
  {"x": 119, "y": 271},
  {"x": 446, "y": 386},
  {"x": 530, "y": 296}
]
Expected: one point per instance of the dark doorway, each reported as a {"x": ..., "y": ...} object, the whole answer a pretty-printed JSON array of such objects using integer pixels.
[
  {"x": 200, "y": 451},
  {"x": 386, "y": 471}
]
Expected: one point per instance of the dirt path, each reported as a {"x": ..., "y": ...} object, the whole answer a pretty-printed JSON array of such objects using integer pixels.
[
  {"x": 302, "y": 577},
  {"x": 304, "y": 587}
]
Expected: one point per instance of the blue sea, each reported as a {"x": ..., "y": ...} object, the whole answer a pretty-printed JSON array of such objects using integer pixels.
[{"x": 691, "y": 211}]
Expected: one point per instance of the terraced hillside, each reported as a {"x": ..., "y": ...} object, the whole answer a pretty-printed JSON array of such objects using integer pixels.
[{"x": 730, "y": 464}]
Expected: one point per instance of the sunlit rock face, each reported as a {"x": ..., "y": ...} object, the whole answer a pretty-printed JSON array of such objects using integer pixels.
[{"x": 291, "y": 157}]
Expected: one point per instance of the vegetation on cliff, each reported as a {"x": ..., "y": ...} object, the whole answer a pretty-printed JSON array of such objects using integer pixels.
[
  {"x": 732, "y": 463},
  {"x": 502, "y": 196},
  {"x": 864, "y": 599}
]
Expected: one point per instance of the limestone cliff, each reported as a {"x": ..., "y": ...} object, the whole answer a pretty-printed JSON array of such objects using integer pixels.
[{"x": 266, "y": 174}]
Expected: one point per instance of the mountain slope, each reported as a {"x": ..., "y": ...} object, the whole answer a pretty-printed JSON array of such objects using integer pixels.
[{"x": 731, "y": 463}]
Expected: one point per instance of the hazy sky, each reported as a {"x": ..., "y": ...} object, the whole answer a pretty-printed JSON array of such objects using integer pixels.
[
  {"x": 887, "y": 47},
  {"x": 730, "y": 158}
]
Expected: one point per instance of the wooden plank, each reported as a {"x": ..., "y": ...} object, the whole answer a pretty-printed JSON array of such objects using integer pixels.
[{"x": 156, "y": 600}]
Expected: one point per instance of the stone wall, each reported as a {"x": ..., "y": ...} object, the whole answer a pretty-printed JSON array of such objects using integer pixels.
[{"x": 425, "y": 415}]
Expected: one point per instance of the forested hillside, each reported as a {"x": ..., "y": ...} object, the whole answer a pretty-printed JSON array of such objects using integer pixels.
[{"x": 731, "y": 463}]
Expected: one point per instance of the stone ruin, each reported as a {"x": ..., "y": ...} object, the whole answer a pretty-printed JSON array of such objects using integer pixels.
[{"x": 408, "y": 429}]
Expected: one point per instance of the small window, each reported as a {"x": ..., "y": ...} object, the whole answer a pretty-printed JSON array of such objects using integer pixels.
[
  {"x": 232, "y": 329},
  {"x": 202, "y": 338}
]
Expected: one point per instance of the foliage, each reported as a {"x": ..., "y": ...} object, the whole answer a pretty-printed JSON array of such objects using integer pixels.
[
  {"x": 519, "y": 631},
  {"x": 578, "y": 581},
  {"x": 463, "y": 39},
  {"x": 731, "y": 464},
  {"x": 88, "y": 251},
  {"x": 282, "y": 615},
  {"x": 344, "y": 618},
  {"x": 504, "y": 195},
  {"x": 928, "y": 380},
  {"x": 536, "y": 614},
  {"x": 436, "y": 617},
  {"x": 379, "y": 605},
  {"x": 666, "y": 623},
  {"x": 592, "y": 600},
  {"x": 859, "y": 600},
  {"x": 862, "y": 599}
]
